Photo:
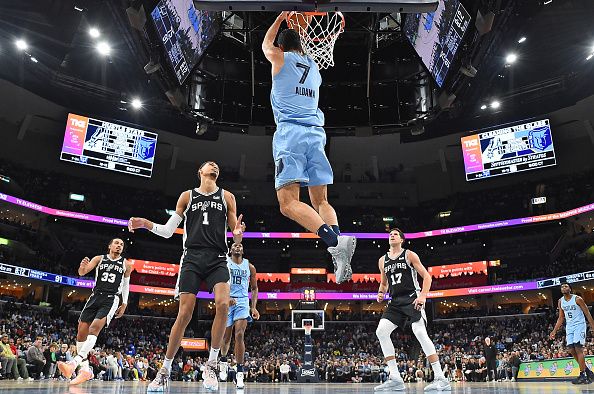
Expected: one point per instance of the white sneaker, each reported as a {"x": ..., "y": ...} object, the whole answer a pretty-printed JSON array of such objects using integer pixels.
[
  {"x": 439, "y": 384},
  {"x": 160, "y": 383},
  {"x": 19, "y": 378},
  {"x": 211, "y": 382},
  {"x": 29, "y": 379},
  {"x": 223, "y": 371},
  {"x": 390, "y": 385},
  {"x": 341, "y": 257},
  {"x": 239, "y": 378}
]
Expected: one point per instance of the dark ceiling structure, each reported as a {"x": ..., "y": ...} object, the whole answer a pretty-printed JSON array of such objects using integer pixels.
[{"x": 378, "y": 85}]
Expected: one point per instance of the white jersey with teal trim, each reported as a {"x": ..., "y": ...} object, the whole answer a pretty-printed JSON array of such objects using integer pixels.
[
  {"x": 296, "y": 91},
  {"x": 574, "y": 316},
  {"x": 239, "y": 277}
]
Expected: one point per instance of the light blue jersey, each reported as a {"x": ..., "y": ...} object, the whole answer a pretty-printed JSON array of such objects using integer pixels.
[
  {"x": 240, "y": 282},
  {"x": 296, "y": 91},
  {"x": 575, "y": 321}
]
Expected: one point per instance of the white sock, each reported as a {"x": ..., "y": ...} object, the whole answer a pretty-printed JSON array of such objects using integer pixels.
[
  {"x": 79, "y": 346},
  {"x": 85, "y": 365},
  {"x": 85, "y": 348},
  {"x": 393, "y": 367},
  {"x": 214, "y": 354},
  {"x": 436, "y": 366},
  {"x": 167, "y": 364}
]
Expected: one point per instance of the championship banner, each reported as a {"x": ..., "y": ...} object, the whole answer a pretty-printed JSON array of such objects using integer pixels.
[{"x": 556, "y": 368}]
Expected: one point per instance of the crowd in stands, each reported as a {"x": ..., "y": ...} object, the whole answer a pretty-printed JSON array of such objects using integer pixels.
[{"x": 33, "y": 340}]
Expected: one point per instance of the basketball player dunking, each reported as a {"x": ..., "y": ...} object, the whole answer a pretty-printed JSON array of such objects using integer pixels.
[
  {"x": 574, "y": 310},
  {"x": 112, "y": 282},
  {"x": 207, "y": 211},
  {"x": 298, "y": 144},
  {"x": 243, "y": 277},
  {"x": 400, "y": 269}
]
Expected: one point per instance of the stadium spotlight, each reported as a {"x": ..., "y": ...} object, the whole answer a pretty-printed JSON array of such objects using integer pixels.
[
  {"x": 94, "y": 32},
  {"x": 34, "y": 60},
  {"x": 484, "y": 106},
  {"x": 590, "y": 56},
  {"x": 511, "y": 58},
  {"x": 103, "y": 48},
  {"x": 21, "y": 45},
  {"x": 495, "y": 104},
  {"x": 136, "y": 103},
  {"x": 521, "y": 40}
]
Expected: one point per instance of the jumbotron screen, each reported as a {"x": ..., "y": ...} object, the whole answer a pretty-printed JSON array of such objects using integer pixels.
[
  {"x": 107, "y": 145},
  {"x": 437, "y": 35},
  {"x": 185, "y": 33},
  {"x": 522, "y": 147}
]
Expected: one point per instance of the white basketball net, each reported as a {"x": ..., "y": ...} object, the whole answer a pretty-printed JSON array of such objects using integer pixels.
[
  {"x": 318, "y": 32},
  {"x": 307, "y": 328}
]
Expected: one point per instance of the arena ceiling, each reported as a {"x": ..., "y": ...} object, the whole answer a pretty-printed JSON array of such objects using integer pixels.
[{"x": 61, "y": 63}]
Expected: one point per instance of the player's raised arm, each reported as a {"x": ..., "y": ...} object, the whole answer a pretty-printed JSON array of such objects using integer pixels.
[
  {"x": 559, "y": 321},
  {"x": 273, "y": 53},
  {"x": 254, "y": 287},
  {"x": 235, "y": 224},
  {"x": 383, "y": 287},
  {"x": 163, "y": 230},
  {"x": 87, "y": 265},
  {"x": 421, "y": 270}
]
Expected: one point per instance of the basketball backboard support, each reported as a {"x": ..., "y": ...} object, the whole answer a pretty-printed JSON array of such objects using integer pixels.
[{"x": 406, "y": 6}]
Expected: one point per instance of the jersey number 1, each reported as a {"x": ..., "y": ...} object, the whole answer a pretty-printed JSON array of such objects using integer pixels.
[
  {"x": 305, "y": 68},
  {"x": 205, "y": 218},
  {"x": 396, "y": 278}
]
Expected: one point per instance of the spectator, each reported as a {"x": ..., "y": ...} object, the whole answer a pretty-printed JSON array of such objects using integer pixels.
[{"x": 36, "y": 358}]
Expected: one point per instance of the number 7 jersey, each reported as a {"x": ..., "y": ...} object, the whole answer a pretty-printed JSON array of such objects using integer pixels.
[
  {"x": 402, "y": 276},
  {"x": 296, "y": 91}
]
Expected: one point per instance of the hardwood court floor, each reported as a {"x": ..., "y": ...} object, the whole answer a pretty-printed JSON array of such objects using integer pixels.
[{"x": 100, "y": 387}]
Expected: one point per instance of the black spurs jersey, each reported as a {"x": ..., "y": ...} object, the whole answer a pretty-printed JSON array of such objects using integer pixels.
[
  {"x": 402, "y": 276},
  {"x": 109, "y": 275},
  {"x": 205, "y": 223}
]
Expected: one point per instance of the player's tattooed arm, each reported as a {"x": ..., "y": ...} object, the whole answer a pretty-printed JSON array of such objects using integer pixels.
[{"x": 87, "y": 265}]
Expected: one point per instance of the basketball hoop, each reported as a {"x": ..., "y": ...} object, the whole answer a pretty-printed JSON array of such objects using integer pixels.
[{"x": 319, "y": 32}]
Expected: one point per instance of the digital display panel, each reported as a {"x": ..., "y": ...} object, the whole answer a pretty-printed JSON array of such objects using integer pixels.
[
  {"x": 437, "y": 35},
  {"x": 108, "y": 145},
  {"x": 185, "y": 33},
  {"x": 526, "y": 146}
]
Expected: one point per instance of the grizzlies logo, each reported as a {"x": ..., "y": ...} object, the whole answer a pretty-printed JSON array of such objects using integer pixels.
[{"x": 540, "y": 138}]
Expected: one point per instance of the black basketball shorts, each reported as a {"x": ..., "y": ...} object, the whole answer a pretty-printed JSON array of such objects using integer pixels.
[
  {"x": 99, "y": 306},
  {"x": 400, "y": 309},
  {"x": 198, "y": 265}
]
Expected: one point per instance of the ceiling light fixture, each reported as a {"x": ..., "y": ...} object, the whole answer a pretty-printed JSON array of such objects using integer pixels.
[
  {"x": 21, "y": 45},
  {"x": 94, "y": 32}
]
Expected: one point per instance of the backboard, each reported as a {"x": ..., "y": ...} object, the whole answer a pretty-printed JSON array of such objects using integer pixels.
[{"x": 300, "y": 317}]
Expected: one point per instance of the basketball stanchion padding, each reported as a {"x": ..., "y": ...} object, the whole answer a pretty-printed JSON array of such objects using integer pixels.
[{"x": 319, "y": 32}]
